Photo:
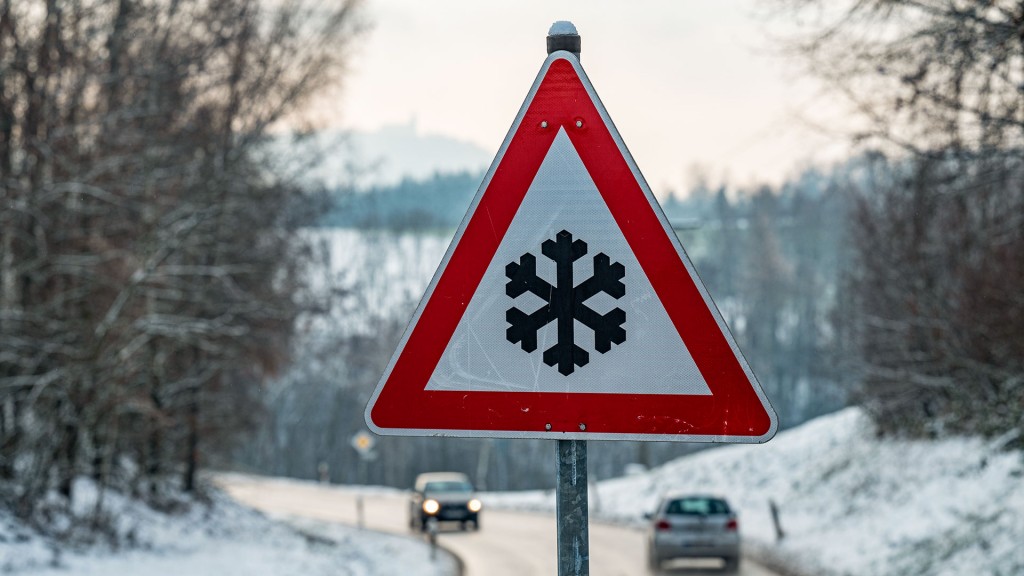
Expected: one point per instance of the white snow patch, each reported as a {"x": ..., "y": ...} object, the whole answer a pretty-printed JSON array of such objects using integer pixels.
[
  {"x": 850, "y": 503},
  {"x": 219, "y": 539}
]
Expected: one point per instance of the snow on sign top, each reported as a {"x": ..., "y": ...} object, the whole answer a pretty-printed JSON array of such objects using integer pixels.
[{"x": 565, "y": 307}]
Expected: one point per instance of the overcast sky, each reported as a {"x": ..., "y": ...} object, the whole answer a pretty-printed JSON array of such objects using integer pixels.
[{"x": 687, "y": 82}]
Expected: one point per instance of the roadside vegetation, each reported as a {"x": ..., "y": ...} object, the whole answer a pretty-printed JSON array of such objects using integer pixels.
[{"x": 150, "y": 270}]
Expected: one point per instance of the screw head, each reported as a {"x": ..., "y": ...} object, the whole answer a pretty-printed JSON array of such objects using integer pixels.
[
  {"x": 579, "y": 123},
  {"x": 547, "y": 426},
  {"x": 583, "y": 426},
  {"x": 543, "y": 123}
]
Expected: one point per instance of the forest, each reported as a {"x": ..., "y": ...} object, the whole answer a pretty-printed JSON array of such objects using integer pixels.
[{"x": 150, "y": 267}]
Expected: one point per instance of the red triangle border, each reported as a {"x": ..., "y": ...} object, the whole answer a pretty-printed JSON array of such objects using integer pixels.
[{"x": 736, "y": 411}]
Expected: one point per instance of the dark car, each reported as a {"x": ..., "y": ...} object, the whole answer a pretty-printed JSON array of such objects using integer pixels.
[
  {"x": 444, "y": 497},
  {"x": 693, "y": 526}
]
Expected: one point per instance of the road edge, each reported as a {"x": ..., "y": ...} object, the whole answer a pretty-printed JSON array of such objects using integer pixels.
[
  {"x": 779, "y": 561},
  {"x": 460, "y": 567}
]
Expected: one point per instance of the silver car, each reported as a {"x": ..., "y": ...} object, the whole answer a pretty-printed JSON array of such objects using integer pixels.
[{"x": 693, "y": 526}]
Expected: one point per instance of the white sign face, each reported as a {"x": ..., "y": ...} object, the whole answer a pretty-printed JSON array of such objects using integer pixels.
[{"x": 651, "y": 360}]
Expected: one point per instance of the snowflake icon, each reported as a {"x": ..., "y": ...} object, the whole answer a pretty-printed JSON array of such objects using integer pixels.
[{"x": 566, "y": 303}]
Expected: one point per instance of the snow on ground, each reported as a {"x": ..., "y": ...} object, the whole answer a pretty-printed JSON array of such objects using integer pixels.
[
  {"x": 850, "y": 504},
  {"x": 221, "y": 539}
]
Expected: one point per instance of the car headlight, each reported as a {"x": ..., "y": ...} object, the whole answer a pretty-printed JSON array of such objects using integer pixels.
[
  {"x": 431, "y": 506},
  {"x": 474, "y": 505}
]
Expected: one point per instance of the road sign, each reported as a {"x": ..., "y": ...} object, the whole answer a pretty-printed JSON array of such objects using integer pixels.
[
  {"x": 565, "y": 307},
  {"x": 363, "y": 442}
]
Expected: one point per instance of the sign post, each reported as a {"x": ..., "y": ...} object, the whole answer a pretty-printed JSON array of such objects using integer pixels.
[
  {"x": 362, "y": 442},
  {"x": 572, "y": 511},
  {"x": 566, "y": 309}
]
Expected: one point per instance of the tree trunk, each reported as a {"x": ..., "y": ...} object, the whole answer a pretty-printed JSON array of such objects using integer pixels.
[
  {"x": 192, "y": 441},
  {"x": 68, "y": 457}
]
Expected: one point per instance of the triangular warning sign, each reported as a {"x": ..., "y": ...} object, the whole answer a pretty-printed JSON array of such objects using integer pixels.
[{"x": 565, "y": 307}]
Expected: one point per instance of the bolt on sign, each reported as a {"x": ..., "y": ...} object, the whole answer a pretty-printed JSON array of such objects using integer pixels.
[{"x": 565, "y": 307}]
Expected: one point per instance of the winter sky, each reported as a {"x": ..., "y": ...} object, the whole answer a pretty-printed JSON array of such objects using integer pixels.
[{"x": 689, "y": 83}]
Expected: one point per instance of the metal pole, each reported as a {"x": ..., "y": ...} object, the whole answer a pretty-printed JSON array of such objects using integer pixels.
[
  {"x": 571, "y": 491},
  {"x": 571, "y": 509},
  {"x": 563, "y": 36}
]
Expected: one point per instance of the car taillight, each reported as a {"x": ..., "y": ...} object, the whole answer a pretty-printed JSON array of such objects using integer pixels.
[
  {"x": 662, "y": 525},
  {"x": 732, "y": 525}
]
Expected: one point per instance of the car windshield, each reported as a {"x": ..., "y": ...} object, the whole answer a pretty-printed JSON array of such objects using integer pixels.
[
  {"x": 448, "y": 487},
  {"x": 697, "y": 507}
]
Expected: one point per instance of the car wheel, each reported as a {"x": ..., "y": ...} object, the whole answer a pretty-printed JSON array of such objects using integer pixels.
[{"x": 732, "y": 565}]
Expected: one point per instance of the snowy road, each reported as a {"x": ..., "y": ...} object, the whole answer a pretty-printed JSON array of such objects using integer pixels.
[{"x": 509, "y": 543}]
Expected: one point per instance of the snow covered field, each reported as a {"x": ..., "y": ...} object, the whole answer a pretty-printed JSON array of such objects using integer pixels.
[
  {"x": 223, "y": 539},
  {"x": 850, "y": 504}
]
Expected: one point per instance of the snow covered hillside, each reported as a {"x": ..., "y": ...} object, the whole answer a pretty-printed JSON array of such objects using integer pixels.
[
  {"x": 850, "y": 504},
  {"x": 222, "y": 539}
]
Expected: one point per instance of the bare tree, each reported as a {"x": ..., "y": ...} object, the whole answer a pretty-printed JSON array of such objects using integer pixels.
[
  {"x": 150, "y": 248},
  {"x": 936, "y": 305}
]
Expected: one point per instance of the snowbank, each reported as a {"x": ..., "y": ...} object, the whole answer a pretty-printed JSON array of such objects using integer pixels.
[
  {"x": 850, "y": 504},
  {"x": 220, "y": 539}
]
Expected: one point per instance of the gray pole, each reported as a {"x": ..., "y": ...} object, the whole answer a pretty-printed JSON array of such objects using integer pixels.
[
  {"x": 571, "y": 509},
  {"x": 571, "y": 491}
]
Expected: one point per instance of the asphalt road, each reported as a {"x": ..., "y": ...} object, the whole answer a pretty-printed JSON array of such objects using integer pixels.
[{"x": 508, "y": 544}]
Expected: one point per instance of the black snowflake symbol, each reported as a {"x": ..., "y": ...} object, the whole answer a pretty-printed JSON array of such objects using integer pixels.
[{"x": 565, "y": 302}]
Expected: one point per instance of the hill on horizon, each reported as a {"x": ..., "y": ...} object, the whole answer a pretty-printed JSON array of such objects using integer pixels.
[{"x": 386, "y": 156}]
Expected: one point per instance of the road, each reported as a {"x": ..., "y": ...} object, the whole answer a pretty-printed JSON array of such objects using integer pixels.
[{"x": 508, "y": 544}]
